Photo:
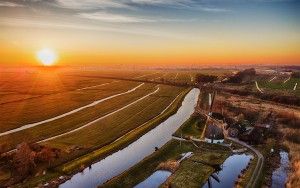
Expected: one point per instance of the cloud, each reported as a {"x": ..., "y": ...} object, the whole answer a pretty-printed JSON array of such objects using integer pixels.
[
  {"x": 91, "y": 4},
  {"x": 56, "y": 25},
  {"x": 208, "y": 9},
  {"x": 132, "y": 4},
  {"x": 121, "y": 18},
  {"x": 163, "y": 2},
  {"x": 9, "y": 4},
  {"x": 114, "y": 18}
]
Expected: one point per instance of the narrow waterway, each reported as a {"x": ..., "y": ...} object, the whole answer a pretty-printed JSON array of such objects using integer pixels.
[
  {"x": 155, "y": 180},
  {"x": 122, "y": 160},
  {"x": 231, "y": 168},
  {"x": 280, "y": 175}
]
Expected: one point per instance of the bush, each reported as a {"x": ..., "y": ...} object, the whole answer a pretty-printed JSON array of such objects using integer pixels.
[{"x": 295, "y": 75}]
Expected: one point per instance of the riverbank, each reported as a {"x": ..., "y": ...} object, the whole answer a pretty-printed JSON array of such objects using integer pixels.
[
  {"x": 170, "y": 152},
  {"x": 80, "y": 163}
]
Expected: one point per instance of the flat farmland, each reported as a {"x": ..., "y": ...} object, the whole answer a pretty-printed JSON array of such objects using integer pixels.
[
  {"x": 42, "y": 83},
  {"x": 121, "y": 122},
  {"x": 75, "y": 120},
  {"x": 16, "y": 114},
  {"x": 281, "y": 84},
  {"x": 111, "y": 74}
]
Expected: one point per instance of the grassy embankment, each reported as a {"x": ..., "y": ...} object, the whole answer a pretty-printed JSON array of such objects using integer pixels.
[
  {"x": 206, "y": 156},
  {"x": 75, "y": 120},
  {"x": 89, "y": 156}
]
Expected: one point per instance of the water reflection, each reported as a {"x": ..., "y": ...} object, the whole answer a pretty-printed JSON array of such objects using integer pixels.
[
  {"x": 279, "y": 176},
  {"x": 155, "y": 180},
  {"x": 231, "y": 168},
  {"x": 115, "y": 164}
]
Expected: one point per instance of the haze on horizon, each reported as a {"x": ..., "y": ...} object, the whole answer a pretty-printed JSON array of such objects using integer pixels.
[{"x": 151, "y": 32}]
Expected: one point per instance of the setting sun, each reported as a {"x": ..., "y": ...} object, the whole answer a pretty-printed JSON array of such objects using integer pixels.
[{"x": 47, "y": 56}]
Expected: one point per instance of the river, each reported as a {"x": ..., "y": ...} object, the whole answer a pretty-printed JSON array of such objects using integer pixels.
[{"x": 118, "y": 162}]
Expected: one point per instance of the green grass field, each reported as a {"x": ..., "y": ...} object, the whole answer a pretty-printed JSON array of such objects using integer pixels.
[
  {"x": 75, "y": 120},
  {"x": 120, "y": 123},
  {"x": 280, "y": 86},
  {"x": 192, "y": 127},
  {"x": 16, "y": 114}
]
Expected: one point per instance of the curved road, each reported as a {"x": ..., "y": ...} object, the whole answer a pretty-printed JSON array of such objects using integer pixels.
[{"x": 260, "y": 162}]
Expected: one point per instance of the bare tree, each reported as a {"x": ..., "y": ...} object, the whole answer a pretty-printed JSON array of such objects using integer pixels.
[{"x": 23, "y": 160}]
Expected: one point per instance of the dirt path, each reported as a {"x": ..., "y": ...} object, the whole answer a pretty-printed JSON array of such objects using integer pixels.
[
  {"x": 273, "y": 79},
  {"x": 287, "y": 80},
  {"x": 257, "y": 87},
  {"x": 295, "y": 87}
]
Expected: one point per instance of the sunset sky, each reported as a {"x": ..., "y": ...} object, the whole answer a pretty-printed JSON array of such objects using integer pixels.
[{"x": 151, "y": 32}]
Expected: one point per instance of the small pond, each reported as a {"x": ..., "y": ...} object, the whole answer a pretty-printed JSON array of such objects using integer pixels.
[{"x": 280, "y": 175}]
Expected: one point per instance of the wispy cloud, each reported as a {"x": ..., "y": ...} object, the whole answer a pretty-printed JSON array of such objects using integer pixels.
[
  {"x": 91, "y": 4},
  {"x": 163, "y": 2},
  {"x": 121, "y": 18},
  {"x": 55, "y": 25},
  {"x": 114, "y": 18},
  {"x": 132, "y": 4},
  {"x": 9, "y": 4},
  {"x": 211, "y": 9}
]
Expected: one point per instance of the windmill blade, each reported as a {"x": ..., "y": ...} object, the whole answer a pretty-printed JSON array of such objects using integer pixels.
[{"x": 215, "y": 177}]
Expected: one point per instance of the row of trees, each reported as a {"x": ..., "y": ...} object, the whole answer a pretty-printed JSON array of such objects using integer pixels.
[
  {"x": 202, "y": 78},
  {"x": 241, "y": 76}
]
